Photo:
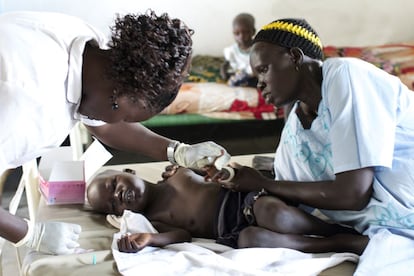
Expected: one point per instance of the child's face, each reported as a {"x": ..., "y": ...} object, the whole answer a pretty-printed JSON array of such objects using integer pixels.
[
  {"x": 112, "y": 192},
  {"x": 243, "y": 34}
]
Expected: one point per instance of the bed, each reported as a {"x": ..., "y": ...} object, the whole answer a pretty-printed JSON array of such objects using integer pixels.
[
  {"x": 97, "y": 237},
  {"x": 205, "y": 93}
]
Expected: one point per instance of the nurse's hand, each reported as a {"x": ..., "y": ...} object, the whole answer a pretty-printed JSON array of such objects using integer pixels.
[
  {"x": 200, "y": 155},
  {"x": 52, "y": 237}
]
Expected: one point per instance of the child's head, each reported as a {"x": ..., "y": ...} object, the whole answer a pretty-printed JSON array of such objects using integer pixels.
[
  {"x": 112, "y": 192},
  {"x": 150, "y": 57},
  {"x": 244, "y": 30}
]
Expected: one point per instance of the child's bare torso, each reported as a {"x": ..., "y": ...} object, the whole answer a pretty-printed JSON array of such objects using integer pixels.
[{"x": 188, "y": 202}]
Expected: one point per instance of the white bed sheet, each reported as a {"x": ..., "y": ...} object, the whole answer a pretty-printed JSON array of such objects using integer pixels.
[{"x": 205, "y": 257}]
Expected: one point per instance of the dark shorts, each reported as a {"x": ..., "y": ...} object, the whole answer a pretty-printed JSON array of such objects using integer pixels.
[{"x": 235, "y": 213}]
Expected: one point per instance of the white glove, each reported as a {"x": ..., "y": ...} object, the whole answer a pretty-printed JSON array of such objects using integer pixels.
[
  {"x": 52, "y": 237},
  {"x": 199, "y": 155}
]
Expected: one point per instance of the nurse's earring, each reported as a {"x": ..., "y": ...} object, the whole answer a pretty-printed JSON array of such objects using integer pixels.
[
  {"x": 297, "y": 68},
  {"x": 115, "y": 105}
]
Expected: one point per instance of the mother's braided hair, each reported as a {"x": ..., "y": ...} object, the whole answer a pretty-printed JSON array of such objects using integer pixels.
[{"x": 148, "y": 55}]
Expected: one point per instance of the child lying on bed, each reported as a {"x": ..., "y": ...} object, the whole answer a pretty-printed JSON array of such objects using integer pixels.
[{"x": 185, "y": 205}]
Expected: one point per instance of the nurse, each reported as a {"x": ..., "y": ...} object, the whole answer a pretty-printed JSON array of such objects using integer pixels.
[{"x": 56, "y": 70}]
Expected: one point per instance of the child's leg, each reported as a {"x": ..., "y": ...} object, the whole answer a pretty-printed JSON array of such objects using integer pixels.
[
  {"x": 274, "y": 214},
  {"x": 253, "y": 236}
]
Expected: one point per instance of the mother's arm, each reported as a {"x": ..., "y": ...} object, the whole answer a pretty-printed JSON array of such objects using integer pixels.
[{"x": 350, "y": 190}]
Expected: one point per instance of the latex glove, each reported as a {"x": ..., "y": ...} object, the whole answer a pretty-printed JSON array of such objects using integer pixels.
[
  {"x": 52, "y": 237},
  {"x": 200, "y": 155}
]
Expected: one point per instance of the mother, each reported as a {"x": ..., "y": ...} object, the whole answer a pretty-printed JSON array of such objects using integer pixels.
[{"x": 347, "y": 147}]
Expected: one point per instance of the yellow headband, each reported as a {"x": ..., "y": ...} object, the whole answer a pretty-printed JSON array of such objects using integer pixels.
[{"x": 295, "y": 29}]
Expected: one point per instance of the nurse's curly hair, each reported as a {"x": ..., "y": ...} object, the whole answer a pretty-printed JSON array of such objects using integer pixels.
[{"x": 148, "y": 56}]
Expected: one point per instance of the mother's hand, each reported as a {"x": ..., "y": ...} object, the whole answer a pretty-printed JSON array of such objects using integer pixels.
[{"x": 246, "y": 179}]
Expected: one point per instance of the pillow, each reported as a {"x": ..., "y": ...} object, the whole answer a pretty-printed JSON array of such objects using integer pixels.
[{"x": 205, "y": 68}]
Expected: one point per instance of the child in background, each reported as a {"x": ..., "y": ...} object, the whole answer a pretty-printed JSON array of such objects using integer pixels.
[{"x": 236, "y": 69}]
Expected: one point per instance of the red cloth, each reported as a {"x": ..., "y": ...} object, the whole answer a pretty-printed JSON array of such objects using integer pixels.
[{"x": 262, "y": 107}]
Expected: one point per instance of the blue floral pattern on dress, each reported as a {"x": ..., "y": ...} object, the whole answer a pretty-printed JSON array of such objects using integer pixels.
[
  {"x": 318, "y": 162},
  {"x": 311, "y": 148},
  {"x": 391, "y": 217}
]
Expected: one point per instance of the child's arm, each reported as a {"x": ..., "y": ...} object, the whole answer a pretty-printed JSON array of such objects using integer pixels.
[{"x": 168, "y": 235}]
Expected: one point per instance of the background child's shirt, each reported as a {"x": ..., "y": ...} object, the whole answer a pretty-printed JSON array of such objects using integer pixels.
[{"x": 239, "y": 60}]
